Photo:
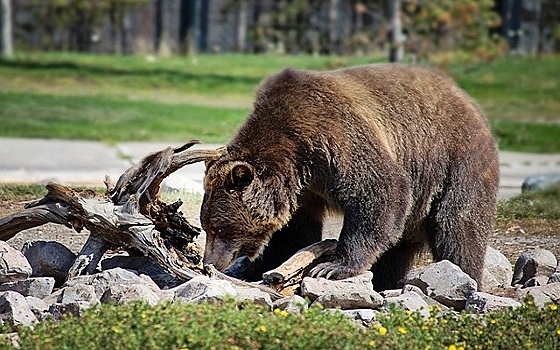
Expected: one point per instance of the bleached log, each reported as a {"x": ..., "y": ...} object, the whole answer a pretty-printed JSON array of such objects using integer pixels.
[{"x": 291, "y": 272}]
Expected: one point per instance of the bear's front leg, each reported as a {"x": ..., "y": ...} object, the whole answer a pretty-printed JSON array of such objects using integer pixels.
[{"x": 373, "y": 223}]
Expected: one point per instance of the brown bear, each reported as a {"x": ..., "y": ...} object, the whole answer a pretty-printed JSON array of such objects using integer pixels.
[{"x": 400, "y": 150}]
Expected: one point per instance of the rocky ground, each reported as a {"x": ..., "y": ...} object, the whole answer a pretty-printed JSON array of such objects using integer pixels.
[{"x": 511, "y": 237}]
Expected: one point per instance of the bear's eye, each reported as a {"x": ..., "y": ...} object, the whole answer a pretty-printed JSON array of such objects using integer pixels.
[{"x": 241, "y": 176}]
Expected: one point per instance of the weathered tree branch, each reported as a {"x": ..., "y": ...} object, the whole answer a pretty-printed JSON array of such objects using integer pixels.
[
  {"x": 130, "y": 216},
  {"x": 291, "y": 272}
]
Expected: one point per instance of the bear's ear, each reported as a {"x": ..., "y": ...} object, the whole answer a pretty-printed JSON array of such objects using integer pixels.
[{"x": 241, "y": 175}]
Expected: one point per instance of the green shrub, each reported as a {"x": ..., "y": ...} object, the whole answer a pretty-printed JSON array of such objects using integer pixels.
[{"x": 231, "y": 326}]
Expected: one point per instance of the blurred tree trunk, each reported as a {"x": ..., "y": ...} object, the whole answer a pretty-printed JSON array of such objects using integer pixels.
[
  {"x": 333, "y": 25},
  {"x": 158, "y": 25},
  {"x": 396, "y": 52},
  {"x": 6, "y": 46},
  {"x": 187, "y": 18},
  {"x": 241, "y": 37}
]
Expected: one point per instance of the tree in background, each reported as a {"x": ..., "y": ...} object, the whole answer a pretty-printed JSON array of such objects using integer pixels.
[
  {"x": 6, "y": 47},
  {"x": 284, "y": 26},
  {"x": 452, "y": 25}
]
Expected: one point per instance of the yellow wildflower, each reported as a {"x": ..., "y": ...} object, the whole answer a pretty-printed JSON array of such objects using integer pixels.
[
  {"x": 408, "y": 312},
  {"x": 493, "y": 321},
  {"x": 276, "y": 311},
  {"x": 262, "y": 328},
  {"x": 371, "y": 343},
  {"x": 452, "y": 347},
  {"x": 402, "y": 330},
  {"x": 558, "y": 332},
  {"x": 283, "y": 313},
  {"x": 382, "y": 330},
  {"x": 553, "y": 307}
]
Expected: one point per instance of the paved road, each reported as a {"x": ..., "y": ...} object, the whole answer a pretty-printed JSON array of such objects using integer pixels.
[{"x": 87, "y": 163}]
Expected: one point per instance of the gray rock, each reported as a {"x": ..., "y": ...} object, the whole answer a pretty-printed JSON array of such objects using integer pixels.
[
  {"x": 366, "y": 315},
  {"x": 253, "y": 295},
  {"x": 77, "y": 309},
  {"x": 408, "y": 301},
  {"x": 497, "y": 272},
  {"x": 38, "y": 307},
  {"x": 352, "y": 293},
  {"x": 73, "y": 299},
  {"x": 49, "y": 259},
  {"x": 38, "y": 287},
  {"x": 536, "y": 281},
  {"x": 120, "y": 294},
  {"x": 117, "y": 276},
  {"x": 78, "y": 293},
  {"x": 144, "y": 266},
  {"x": 14, "y": 310},
  {"x": 484, "y": 302},
  {"x": 13, "y": 264},
  {"x": 534, "y": 263},
  {"x": 391, "y": 293},
  {"x": 540, "y": 182},
  {"x": 555, "y": 277},
  {"x": 542, "y": 295},
  {"x": 427, "y": 299},
  {"x": 444, "y": 282},
  {"x": 295, "y": 304},
  {"x": 204, "y": 289}
]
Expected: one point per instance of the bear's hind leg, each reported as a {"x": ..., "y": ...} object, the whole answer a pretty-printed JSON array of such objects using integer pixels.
[
  {"x": 461, "y": 219},
  {"x": 393, "y": 265}
]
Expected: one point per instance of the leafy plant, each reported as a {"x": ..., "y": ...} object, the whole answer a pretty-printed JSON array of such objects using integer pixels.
[{"x": 247, "y": 326}]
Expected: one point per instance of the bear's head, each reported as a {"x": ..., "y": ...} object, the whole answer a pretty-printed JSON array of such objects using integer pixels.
[{"x": 244, "y": 203}]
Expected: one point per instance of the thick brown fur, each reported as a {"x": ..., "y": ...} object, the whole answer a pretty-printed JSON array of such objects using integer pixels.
[{"x": 404, "y": 153}]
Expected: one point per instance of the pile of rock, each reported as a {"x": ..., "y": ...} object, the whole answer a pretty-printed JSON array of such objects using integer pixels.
[{"x": 33, "y": 286}]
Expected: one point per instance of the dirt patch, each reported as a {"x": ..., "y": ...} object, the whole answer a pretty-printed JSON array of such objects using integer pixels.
[{"x": 511, "y": 237}]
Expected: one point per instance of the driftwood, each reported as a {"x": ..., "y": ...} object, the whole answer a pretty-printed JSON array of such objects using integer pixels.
[
  {"x": 129, "y": 216},
  {"x": 287, "y": 277},
  {"x": 132, "y": 217}
]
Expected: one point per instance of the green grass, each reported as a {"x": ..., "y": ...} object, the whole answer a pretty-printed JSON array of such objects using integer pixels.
[
  {"x": 544, "y": 204},
  {"x": 520, "y": 88},
  {"x": 188, "y": 326},
  {"x": 19, "y": 192},
  {"x": 107, "y": 118},
  {"x": 519, "y": 136},
  {"x": 118, "y": 98}
]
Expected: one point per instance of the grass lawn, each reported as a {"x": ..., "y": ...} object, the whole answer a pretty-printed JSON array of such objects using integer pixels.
[{"x": 109, "y": 98}]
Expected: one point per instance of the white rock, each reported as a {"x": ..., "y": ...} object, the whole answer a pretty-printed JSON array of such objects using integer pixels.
[
  {"x": 483, "y": 302},
  {"x": 409, "y": 301},
  {"x": 38, "y": 287},
  {"x": 13, "y": 264},
  {"x": 497, "y": 272},
  {"x": 351, "y": 293},
  {"x": 203, "y": 288},
  {"x": 14, "y": 309},
  {"x": 293, "y": 303},
  {"x": 443, "y": 281},
  {"x": 120, "y": 294}
]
